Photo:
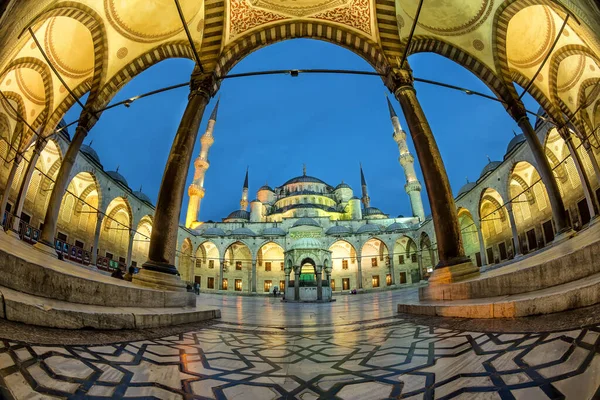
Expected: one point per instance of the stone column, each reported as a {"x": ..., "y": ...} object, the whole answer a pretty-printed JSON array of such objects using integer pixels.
[
  {"x": 99, "y": 218},
  {"x": 253, "y": 279},
  {"x": 297, "y": 284},
  {"x": 249, "y": 281},
  {"x": 359, "y": 275},
  {"x": 392, "y": 272},
  {"x": 221, "y": 274},
  {"x": 37, "y": 150},
  {"x": 320, "y": 283},
  {"x": 443, "y": 209},
  {"x": 46, "y": 242},
  {"x": 481, "y": 246},
  {"x": 159, "y": 271},
  {"x": 585, "y": 182},
  {"x": 517, "y": 112},
  {"x": 9, "y": 182},
  {"x": 130, "y": 248},
  {"x": 287, "y": 281},
  {"x": 590, "y": 151},
  {"x": 513, "y": 227}
]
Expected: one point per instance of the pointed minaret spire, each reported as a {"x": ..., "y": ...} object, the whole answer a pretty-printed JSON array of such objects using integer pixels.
[
  {"x": 366, "y": 200},
  {"x": 407, "y": 161},
  {"x": 201, "y": 164},
  {"x": 304, "y": 169},
  {"x": 390, "y": 107},
  {"x": 213, "y": 115},
  {"x": 244, "y": 200}
]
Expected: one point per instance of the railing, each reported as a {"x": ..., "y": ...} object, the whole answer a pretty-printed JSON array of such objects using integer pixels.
[{"x": 67, "y": 251}]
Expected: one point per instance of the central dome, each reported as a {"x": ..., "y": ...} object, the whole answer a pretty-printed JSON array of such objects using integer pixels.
[{"x": 304, "y": 179}]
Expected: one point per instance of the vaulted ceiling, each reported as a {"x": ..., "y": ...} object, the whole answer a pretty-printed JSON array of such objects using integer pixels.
[{"x": 97, "y": 46}]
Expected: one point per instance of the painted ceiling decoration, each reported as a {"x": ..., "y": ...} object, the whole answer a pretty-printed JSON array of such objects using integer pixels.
[{"x": 97, "y": 46}]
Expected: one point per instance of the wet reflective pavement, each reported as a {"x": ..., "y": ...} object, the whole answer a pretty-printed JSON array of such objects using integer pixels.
[{"x": 354, "y": 348}]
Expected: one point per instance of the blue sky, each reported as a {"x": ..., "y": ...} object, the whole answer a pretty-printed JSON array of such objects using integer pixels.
[{"x": 276, "y": 124}]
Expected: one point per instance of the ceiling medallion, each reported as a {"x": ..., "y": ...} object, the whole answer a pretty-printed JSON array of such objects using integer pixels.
[
  {"x": 446, "y": 18},
  {"x": 298, "y": 8}
]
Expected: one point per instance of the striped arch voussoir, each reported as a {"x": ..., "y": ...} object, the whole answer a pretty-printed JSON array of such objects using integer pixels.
[
  {"x": 60, "y": 111},
  {"x": 175, "y": 49},
  {"x": 114, "y": 212},
  {"x": 539, "y": 96},
  {"x": 423, "y": 44},
  {"x": 525, "y": 188},
  {"x": 17, "y": 135},
  {"x": 93, "y": 22},
  {"x": 252, "y": 41}
]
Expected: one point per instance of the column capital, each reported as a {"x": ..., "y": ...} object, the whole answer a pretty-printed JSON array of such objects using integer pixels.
[
  {"x": 203, "y": 84},
  {"x": 516, "y": 110},
  {"x": 400, "y": 79}
]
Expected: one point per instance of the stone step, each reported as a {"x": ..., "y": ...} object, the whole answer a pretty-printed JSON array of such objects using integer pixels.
[
  {"x": 570, "y": 260},
  {"x": 580, "y": 293},
  {"x": 28, "y": 270},
  {"x": 26, "y": 308}
]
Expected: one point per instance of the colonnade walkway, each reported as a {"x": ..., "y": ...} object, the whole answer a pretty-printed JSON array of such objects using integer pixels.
[{"x": 354, "y": 348}]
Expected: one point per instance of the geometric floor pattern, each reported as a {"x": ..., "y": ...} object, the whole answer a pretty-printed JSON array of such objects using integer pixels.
[{"x": 398, "y": 360}]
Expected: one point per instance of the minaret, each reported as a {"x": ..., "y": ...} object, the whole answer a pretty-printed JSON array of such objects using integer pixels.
[
  {"x": 366, "y": 200},
  {"x": 413, "y": 186},
  {"x": 244, "y": 200},
  {"x": 201, "y": 164}
]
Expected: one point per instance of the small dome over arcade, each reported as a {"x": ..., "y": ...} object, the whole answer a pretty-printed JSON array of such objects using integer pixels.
[
  {"x": 338, "y": 230},
  {"x": 118, "y": 177},
  {"x": 142, "y": 196},
  {"x": 214, "y": 231},
  {"x": 243, "y": 231},
  {"x": 514, "y": 142},
  {"x": 466, "y": 188},
  {"x": 305, "y": 221},
  {"x": 371, "y": 211},
  {"x": 91, "y": 153},
  {"x": 490, "y": 166},
  {"x": 273, "y": 231},
  {"x": 369, "y": 228},
  {"x": 397, "y": 227}
]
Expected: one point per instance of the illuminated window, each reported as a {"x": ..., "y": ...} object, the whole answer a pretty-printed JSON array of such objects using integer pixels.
[
  {"x": 198, "y": 262},
  {"x": 238, "y": 265},
  {"x": 413, "y": 257},
  {"x": 332, "y": 285},
  {"x": 373, "y": 261},
  {"x": 268, "y": 266},
  {"x": 268, "y": 286},
  {"x": 238, "y": 285},
  {"x": 281, "y": 286},
  {"x": 281, "y": 264},
  {"x": 401, "y": 259},
  {"x": 211, "y": 264},
  {"x": 224, "y": 284},
  {"x": 344, "y": 264},
  {"x": 388, "y": 279},
  {"x": 375, "y": 280},
  {"x": 210, "y": 283}
]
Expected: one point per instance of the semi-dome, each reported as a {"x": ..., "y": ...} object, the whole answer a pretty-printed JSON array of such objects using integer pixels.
[
  {"x": 372, "y": 211},
  {"x": 273, "y": 231},
  {"x": 338, "y": 230},
  {"x": 87, "y": 150},
  {"x": 369, "y": 228},
  {"x": 243, "y": 231},
  {"x": 142, "y": 196},
  {"x": 304, "y": 179},
  {"x": 343, "y": 186},
  {"x": 466, "y": 188},
  {"x": 305, "y": 221},
  {"x": 265, "y": 187},
  {"x": 397, "y": 226},
  {"x": 514, "y": 142},
  {"x": 492, "y": 165},
  {"x": 239, "y": 214},
  {"x": 306, "y": 243},
  {"x": 214, "y": 232},
  {"x": 118, "y": 177}
]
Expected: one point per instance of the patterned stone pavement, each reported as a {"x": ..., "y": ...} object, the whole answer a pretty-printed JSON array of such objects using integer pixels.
[{"x": 391, "y": 358}]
